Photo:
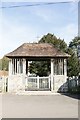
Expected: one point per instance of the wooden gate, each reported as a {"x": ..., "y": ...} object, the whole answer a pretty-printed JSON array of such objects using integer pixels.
[{"x": 38, "y": 83}]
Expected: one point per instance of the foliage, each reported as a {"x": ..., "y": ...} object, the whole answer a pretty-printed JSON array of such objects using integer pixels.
[
  {"x": 0, "y": 64},
  {"x": 73, "y": 61},
  {"x": 74, "y": 44},
  {"x": 57, "y": 42},
  {"x": 42, "y": 68},
  {"x": 73, "y": 69},
  {"x": 4, "y": 63},
  {"x": 74, "y": 90}
]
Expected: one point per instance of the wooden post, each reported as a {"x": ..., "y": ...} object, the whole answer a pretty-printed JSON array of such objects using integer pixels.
[
  {"x": 24, "y": 66},
  {"x": 38, "y": 82},
  {"x": 15, "y": 66},
  {"x": 49, "y": 81},
  {"x": 19, "y": 66},
  {"x": 62, "y": 66},
  {"x": 52, "y": 73},
  {"x": 10, "y": 67},
  {"x": 27, "y": 82},
  {"x": 65, "y": 69},
  {"x": 27, "y": 67}
]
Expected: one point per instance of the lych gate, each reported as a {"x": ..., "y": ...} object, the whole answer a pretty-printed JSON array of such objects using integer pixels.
[{"x": 19, "y": 79}]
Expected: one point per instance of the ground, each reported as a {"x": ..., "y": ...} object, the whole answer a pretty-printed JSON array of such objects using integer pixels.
[{"x": 39, "y": 106}]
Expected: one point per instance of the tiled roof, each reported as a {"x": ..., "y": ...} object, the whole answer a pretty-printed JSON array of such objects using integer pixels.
[{"x": 37, "y": 50}]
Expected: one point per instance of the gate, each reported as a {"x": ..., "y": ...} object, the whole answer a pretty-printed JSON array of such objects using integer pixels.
[
  {"x": 37, "y": 83},
  {"x": 3, "y": 84}
]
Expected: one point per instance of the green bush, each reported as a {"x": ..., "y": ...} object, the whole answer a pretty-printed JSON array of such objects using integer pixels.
[{"x": 75, "y": 90}]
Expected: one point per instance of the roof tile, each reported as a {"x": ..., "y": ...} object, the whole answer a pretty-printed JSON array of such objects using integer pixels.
[{"x": 37, "y": 50}]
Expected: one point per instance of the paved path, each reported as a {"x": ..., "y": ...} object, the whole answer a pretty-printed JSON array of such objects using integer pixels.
[{"x": 53, "y": 106}]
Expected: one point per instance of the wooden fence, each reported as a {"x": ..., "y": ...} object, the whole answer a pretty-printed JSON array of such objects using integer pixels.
[{"x": 3, "y": 84}]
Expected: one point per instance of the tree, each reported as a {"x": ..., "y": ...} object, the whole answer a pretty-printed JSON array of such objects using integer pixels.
[
  {"x": 73, "y": 61},
  {"x": 75, "y": 42},
  {"x": 74, "y": 45},
  {"x": 0, "y": 64},
  {"x": 57, "y": 42},
  {"x": 4, "y": 63},
  {"x": 42, "y": 68},
  {"x": 73, "y": 69}
]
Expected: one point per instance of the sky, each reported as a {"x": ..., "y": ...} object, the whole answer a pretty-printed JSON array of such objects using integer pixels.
[{"x": 28, "y": 24}]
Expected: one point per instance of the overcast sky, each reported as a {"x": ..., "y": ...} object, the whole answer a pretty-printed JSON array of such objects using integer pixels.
[{"x": 29, "y": 24}]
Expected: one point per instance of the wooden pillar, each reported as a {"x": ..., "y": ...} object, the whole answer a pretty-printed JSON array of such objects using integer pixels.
[
  {"x": 24, "y": 66},
  {"x": 10, "y": 67},
  {"x": 38, "y": 82},
  {"x": 60, "y": 67},
  {"x": 19, "y": 66},
  {"x": 27, "y": 67},
  {"x": 55, "y": 67},
  {"x": 65, "y": 67},
  {"x": 49, "y": 82},
  {"x": 15, "y": 66},
  {"x": 52, "y": 74}
]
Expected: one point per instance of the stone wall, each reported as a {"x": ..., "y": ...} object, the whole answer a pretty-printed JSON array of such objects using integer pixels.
[
  {"x": 60, "y": 83},
  {"x": 16, "y": 83}
]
